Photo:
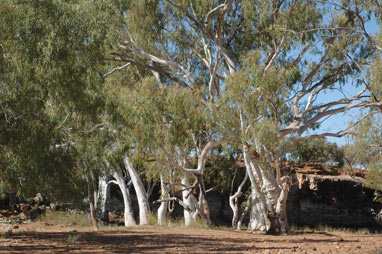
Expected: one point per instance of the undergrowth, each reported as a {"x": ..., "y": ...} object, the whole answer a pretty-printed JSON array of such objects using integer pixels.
[
  {"x": 73, "y": 238},
  {"x": 327, "y": 228},
  {"x": 65, "y": 217}
]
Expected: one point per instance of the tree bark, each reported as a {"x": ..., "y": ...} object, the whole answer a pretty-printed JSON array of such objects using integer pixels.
[
  {"x": 143, "y": 203},
  {"x": 203, "y": 204},
  {"x": 128, "y": 209},
  {"x": 92, "y": 215},
  {"x": 234, "y": 202},
  {"x": 258, "y": 220},
  {"x": 188, "y": 215},
  {"x": 91, "y": 206},
  {"x": 162, "y": 210},
  {"x": 240, "y": 222},
  {"x": 101, "y": 197},
  {"x": 268, "y": 198}
]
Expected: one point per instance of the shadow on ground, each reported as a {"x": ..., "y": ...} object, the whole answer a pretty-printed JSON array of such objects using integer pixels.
[{"x": 154, "y": 241}]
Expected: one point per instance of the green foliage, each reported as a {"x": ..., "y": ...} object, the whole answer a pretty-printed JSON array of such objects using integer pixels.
[
  {"x": 366, "y": 148},
  {"x": 51, "y": 65},
  {"x": 375, "y": 75},
  {"x": 223, "y": 173},
  {"x": 317, "y": 150},
  {"x": 374, "y": 176},
  {"x": 253, "y": 105},
  {"x": 73, "y": 238},
  {"x": 155, "y": 125}
]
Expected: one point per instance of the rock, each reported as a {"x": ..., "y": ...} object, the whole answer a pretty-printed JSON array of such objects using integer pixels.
[
  {"x": 31, "y": 201},
  {"x": 25, "y": 207},
  {"x": 334, "y": 200},
  {"x": 22, "y": 216},
  {"x": 53, "y": 206},
  {"x": 40, "y": 199}
]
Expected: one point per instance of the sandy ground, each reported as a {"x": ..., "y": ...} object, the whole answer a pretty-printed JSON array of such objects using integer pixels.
[{"x": 42, "y": 237}]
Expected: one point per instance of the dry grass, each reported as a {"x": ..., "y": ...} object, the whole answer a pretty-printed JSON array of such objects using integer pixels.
[
  {"x": 327, "y": 228},
  {"x": 65, "y": 217}
]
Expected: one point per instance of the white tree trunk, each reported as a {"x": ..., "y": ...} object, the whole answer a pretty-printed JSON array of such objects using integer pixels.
[
  {"x": 234, "y": 203},
  {"x": 187, "y": 199},
  {"x": 258, "y": 217},
  {"x": 128, "y": 209},
  {"x": 268, "y": 211},
  {"x": 101, "y": 196},
  {"x": 143, "y": 203},
  {"x": 162, "y": 210},
  {"x": 258, "y": 205}
]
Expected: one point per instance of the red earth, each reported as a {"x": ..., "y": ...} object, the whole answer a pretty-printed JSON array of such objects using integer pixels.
[{"x": 42, "y": 237}]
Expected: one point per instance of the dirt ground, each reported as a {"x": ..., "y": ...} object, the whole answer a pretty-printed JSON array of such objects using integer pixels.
[{"x": 43, "y": 237}]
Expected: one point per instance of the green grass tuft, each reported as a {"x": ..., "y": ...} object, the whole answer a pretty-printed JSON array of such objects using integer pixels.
[{"x": 73, "y": 238}]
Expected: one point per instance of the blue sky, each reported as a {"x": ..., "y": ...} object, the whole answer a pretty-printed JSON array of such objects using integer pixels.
[{"x": 339, "y": 121}]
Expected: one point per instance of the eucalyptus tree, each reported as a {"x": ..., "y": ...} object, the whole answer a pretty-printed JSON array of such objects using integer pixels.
[
  {"x": 121, "y": 179},
  {"x": 125, "y": 128},
  {"x": 275, "y": 103},
  {"x": 186, "y": 136},
  {"x": 364, "y": 148},
  {"x": 160, "y": 46},
  {"x": 165, "y": 130},
  {"x": 269, "y": 66},
  {"x": 51, "y": 65}
]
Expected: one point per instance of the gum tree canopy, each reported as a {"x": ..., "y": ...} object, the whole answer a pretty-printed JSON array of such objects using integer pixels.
[
  {"x": 51, "y": 67},
  {"x": 267, "y": 72}
]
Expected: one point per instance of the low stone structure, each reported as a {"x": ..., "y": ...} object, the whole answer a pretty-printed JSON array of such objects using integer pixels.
[{"x": 324, "y": 195}]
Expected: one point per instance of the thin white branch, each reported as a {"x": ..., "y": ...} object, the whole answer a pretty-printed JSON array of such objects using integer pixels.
[
  {"x": 180, "y": 202},
  {"x": 63, "y": 122},
  {"x": 116, "y": 69},
  {"x": 323, "y": 114},
  {"x": 202, "y": 158}
]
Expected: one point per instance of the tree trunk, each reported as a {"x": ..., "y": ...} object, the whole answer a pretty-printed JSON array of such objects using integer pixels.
[
  {"x": 268, "y": 204},
  {"x": 143, "y": 203},
  {"x": 258, "y": 214},
  {"x": 240, "y": 222},
  {"x": 205, "y": 209},
  {"x": 91, "y": 207},
  {"x": 101, "y": 197},
  {"x": 234, "y": 203},
  {"x": 128, "y": 209},
  {"x": 162, "y": 210},
  {"x": 188, "y": 215},
  {"x": 258, "y": 205},
  {"x": 92, "y": 215}
]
